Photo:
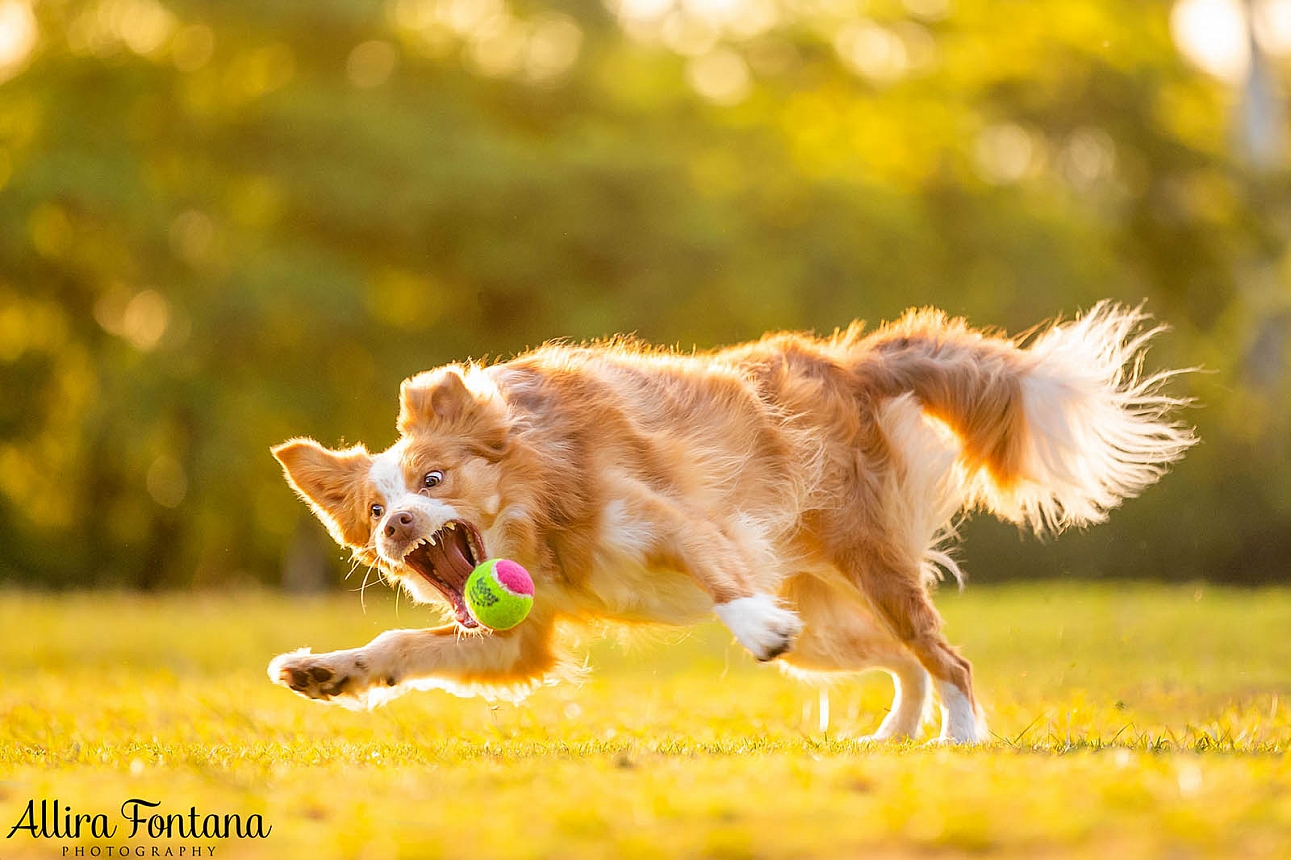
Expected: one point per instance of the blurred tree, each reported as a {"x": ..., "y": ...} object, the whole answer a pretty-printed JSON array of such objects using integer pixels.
[{"x": 222, "y": 225}]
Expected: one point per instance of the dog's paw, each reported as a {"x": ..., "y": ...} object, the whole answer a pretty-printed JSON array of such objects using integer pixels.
[
  {"x": 961, "y": 723},
  {"x": 761, "y": 626},
  {"x": 344, "y": 676}
]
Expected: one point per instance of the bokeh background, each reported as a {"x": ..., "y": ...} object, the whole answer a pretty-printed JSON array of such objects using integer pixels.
[{"x": 223, "y": 224}]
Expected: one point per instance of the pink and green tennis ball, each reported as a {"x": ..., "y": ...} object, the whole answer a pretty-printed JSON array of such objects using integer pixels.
[{"x": 499, "y": 593}]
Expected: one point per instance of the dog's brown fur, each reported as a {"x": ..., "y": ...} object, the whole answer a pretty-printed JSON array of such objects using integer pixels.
[{"x": 814, "y": 477}]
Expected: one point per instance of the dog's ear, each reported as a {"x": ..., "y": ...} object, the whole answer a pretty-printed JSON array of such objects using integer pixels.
[
  {"x": 453, "y": 400},
  {"x": 331, "y": 482},
  {"x": 434, "y": 397}
]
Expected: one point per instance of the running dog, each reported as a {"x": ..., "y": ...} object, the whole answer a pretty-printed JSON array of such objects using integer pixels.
[{"x": 802, "y": 489}]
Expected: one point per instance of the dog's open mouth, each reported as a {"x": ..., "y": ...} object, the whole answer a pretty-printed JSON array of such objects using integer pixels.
[{"x": 446, "y": 559}]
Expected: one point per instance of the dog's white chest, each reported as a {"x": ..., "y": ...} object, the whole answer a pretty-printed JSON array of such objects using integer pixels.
[
  {"x": 624, "y": 585},
  {"x": 633, "y": 592},
  {"x": 623, "y": 588}
]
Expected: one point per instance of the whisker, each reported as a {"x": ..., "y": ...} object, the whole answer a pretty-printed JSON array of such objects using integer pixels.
[{"x": 362, "y": 586}]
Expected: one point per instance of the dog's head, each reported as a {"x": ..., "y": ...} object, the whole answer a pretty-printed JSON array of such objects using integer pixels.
[{"x": 421, "y": 509}]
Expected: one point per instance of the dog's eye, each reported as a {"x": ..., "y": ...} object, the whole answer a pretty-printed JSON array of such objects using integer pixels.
[
  {"x": 377, "y": 511},
  {"x": 434, "y": 479}
]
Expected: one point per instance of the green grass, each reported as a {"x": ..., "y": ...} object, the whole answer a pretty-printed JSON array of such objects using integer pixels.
[{"x": 1129, "y": 721}]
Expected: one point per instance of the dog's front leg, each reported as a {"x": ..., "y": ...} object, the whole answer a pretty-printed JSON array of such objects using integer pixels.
[
  {"x": 400, "y": 658},
  {"x": 687, "y": 541}
]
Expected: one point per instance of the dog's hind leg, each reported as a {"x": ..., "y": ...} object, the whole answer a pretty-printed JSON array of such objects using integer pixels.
[
  {"x": 842, "y": 635},
  {"x": 909, "y": 700},
  {"x": 901, "y": 600},
  {"x": 883, "y": 535}
]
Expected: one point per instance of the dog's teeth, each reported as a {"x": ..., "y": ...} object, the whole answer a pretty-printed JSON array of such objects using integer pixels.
[
  {"x": 452, "y": 526},
  {"x": 431, "y": 539}
]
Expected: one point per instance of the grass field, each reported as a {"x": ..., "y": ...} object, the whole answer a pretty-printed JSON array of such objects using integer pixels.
[{"x": 1129, "y": 722}]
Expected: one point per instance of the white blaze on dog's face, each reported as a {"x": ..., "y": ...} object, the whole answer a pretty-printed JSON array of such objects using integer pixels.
[{"x": 421, "y": 509}]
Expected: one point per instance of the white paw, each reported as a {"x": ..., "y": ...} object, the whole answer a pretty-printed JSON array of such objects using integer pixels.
[
  {"x": 761, "y": 626},
  {"x": 342, "y": 675},
  {"x": 960, "y": 724}
]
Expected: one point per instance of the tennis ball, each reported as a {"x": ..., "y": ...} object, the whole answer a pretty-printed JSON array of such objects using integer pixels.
[{"x": 499, "y": 593}]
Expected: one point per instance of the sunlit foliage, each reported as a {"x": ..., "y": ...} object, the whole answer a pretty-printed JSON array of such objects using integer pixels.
[{"x": 223, "y": 224}]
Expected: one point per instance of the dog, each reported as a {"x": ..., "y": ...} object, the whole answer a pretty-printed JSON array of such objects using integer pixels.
[{"x": 802, "y": 489}]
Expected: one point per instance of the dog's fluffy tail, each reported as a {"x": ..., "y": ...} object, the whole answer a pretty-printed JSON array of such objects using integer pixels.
[{"x": 1053, "y": 430}]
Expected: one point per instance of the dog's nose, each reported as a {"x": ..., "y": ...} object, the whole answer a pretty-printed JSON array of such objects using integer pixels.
[{"x": 399, "y": 525}]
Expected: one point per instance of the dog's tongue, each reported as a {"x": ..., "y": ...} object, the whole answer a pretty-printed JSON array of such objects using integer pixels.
[
  {"x": 451, "y": 558},
  {"x": 446, "y": 564}
]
